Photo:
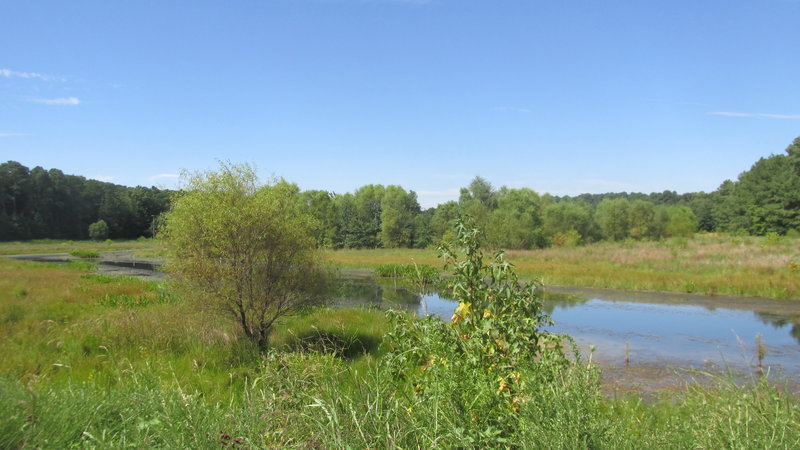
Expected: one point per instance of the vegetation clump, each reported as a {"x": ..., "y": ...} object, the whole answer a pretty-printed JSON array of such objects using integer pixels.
[
  {"x": 86, "y": 254},
  {"x": 482, "y": 365},
  {"x": 416, "y": 273},
  {"x": 242, "y": 249},
  {"x": 98, "y": 231}
]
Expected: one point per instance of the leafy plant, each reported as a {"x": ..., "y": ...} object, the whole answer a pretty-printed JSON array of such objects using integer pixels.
[
  {"x": 87, "y": 254},
  {"x": 98, "y": 231},
  {"x": 480, "y": 362},
  {"x": 244, "y": 249},
  {"x": 413, "y": 272}
]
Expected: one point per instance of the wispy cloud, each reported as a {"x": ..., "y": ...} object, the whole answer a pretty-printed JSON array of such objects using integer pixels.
[
  {"x": 8, "y": 134},
  {"x": 165, "y": 180},
  {"x": 765, "y": 115},
  {"x": 512, "y": 109},
  {"x": 71, "y": 101},
  {"x": 8, "y": 73},
  {"x": 164, "y": 175},
  {"x": 431, "y": 198}
]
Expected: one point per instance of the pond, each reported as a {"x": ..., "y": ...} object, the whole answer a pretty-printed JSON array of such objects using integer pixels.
[
  {"x": 669, "y": 333},
  {"x": 626, "y": 329}
]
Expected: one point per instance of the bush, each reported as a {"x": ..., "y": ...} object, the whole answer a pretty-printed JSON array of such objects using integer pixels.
[
  {"x": 412, "y": 272},
  {"x": 98, "y": 231},
  {"x": 88, "y": 254},
  {"x": 480, "y": 367},
  {"x": 244, "y": 249}
]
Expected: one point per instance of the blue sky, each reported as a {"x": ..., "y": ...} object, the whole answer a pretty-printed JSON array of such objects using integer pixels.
[{"x": 560, "y": 96}]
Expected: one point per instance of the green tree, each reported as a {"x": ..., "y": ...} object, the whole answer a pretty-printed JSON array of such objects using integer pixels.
[
  {"x": 516, "y": 223},
  {"x": 568, "y": 219},
  {"x": 358, "y": 217},
  {"x": 98, "y": 231},
  {"x": 398, "y": 210},
  {"x": 768, "y": 195},
  {"x": 726, "y": 208},
  {"x": 243, "y": 249},
  {"x": 423, "y": 232},
  {"x": 320, "y": 204},
  {"x": 682, "y": 221},
  {"x": 765, "y": 199},
  {"x": 702, "y": 205},
  {"x": 612, "y": 218},
  {"x": 640, "y": 219},
  {"x": 444, "y": 220},
  {"x": 478, "y": 201},
  {"x": 793, "y": 150}
]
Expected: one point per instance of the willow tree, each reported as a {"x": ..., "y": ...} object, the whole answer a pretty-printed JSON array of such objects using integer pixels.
[{"x": 244, "y": 249}]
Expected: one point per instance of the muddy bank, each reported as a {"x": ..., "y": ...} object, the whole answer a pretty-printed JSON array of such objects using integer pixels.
[{"x": 116, "y": 263}]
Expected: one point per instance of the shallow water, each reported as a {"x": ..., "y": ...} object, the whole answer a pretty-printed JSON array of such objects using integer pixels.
[
  {"x": 666, "y": 334},
  {"x": 640, "y": 330}
]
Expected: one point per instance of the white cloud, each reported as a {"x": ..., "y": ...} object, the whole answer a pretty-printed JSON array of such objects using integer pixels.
[
  {"x": 765, "y": 115},
  {"x": 7, "y": 134},
  {"x": 429, "y": 199},
  {"x": 103, "y": 178},
  {"x": 164, "y": 180},
  {"x": 28, "y": 75},
  {"x": 72, "y": 101}
]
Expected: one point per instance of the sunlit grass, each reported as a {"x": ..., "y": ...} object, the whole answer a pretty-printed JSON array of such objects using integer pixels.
[
  {"x": 77, "y": 372},
  {"x": 706, "y": 264},
  {"x": 147, "y": 247},
  {"x": 64, "y": 322}
]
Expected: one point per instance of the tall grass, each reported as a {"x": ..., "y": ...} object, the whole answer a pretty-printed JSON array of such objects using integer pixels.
[
  {"x": 77, "y": 372},
  {"x": 707, "y": 264},
  {"x": 148, "y": 247}
]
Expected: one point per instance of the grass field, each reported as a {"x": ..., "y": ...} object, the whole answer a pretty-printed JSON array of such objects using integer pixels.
[
  {"x": 145, "y": 247},
  {"x": 706, "y": 264},
  {"x": 98, "y": 361}
]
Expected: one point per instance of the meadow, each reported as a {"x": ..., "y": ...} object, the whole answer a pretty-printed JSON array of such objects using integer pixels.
[
  {"x": 97, "y": 361},
  {"x": 143, "y": 246},
  {"x": 707, "y": 264}
]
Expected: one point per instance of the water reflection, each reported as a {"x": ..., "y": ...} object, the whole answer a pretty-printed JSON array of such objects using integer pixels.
[
  {"x": 779, "y": 321},
  {"x": 648, "y": 332}
]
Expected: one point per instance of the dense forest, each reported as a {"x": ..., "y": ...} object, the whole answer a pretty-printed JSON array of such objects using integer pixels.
[
  {"x": 765, "y": 199},
  {"x": 41, "y": 203}
]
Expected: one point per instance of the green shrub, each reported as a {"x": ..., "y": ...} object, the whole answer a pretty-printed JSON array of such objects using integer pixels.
[
  {"x": 772, "y": 238},
  {"x": 416, "y": 273},
  {"x": 98, "y": 230},
  {"x": 88, "y": 254},
  {"x": 479, "y": 368}
]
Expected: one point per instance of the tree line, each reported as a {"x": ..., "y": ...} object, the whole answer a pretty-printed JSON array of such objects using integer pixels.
[
  {"x": 38, "y": 203},
  {"x": 765, "y": 199}
]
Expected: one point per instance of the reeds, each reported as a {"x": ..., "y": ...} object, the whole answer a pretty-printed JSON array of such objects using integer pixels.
[
  {"x": 707, "y": 264},
  {"x": 76, "y": 372}
]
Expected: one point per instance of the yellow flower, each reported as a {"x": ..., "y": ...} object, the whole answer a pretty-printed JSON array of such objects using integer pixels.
[
  {"x": 463, "y": 308},
  {"x": 487, "y": 314}
]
